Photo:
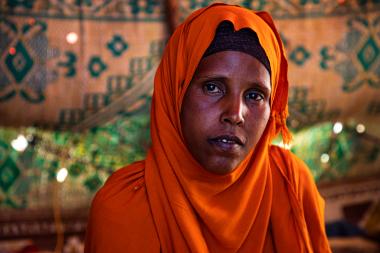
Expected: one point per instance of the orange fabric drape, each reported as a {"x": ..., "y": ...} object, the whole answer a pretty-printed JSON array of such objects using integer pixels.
[{"x": 262, "y": 206}]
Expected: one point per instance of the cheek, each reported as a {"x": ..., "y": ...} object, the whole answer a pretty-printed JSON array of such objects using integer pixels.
[
  {"x": 258, "y": 122},
  {"x": 264, "y": 125},
  {"x": 200, "y": 120},
  {"x": 265, "y": 117},
  {"x": 191, "y": 116},
  {"x": 199, "y": 111}
]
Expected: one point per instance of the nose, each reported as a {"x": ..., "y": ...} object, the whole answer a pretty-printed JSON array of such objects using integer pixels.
[{"x": 234, "y": 110}]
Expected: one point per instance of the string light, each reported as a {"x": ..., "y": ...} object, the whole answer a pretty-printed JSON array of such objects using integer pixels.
[
  {"x": 20, "y": 143},
  {"x": 360, "y": 128},
  {"x": 31, "y": 21},
  {"x": 72, "y": 37},
  {"x": 12, "y": 51},
  {"x": 285, "y": 146},
  {"x": 325, "y": 158},
  {"x": 61, "y": 175},
  {"x": 337, "y": 128}
]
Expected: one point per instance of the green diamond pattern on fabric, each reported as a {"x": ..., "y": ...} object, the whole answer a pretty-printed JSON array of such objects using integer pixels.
[
  {"x": 20, "y": 63},
  {"x": 368, "y": 53},
  {"x": 117, "y": 45},
  {"x": 9, "y": 172},
  {"x": 96, "y": 66},
  {"x": 300, "y": 55}
]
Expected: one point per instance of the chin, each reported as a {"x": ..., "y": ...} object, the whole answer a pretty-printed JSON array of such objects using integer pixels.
[{"x": 221, "y": 170}]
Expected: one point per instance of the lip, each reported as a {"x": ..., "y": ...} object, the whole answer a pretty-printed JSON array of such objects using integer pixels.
[{"x": 226, "y": 143}]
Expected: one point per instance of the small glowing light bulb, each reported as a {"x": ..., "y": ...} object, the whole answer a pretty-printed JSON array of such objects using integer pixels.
[
  {"x": 72, "y": 37},
  {"x": 61, "y": 175},
  {"x": 12, "y": 51},
  {"x": 20, "y": 143},
  {"x": 338, "y": 127},
  {"x": 360, "y": 128},
  {"x": 285, "y": 146},
  {"x": 325, "y": 158}
]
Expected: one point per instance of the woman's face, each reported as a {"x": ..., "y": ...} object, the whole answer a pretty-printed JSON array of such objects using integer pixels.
[{"x": 225, "y": 109}]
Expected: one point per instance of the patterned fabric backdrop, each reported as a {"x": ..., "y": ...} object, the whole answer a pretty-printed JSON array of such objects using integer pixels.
[
  {"x": 333, "y": 48},
  {"x": 63, "y": 61},
  {"x": 89, "y": 64}
]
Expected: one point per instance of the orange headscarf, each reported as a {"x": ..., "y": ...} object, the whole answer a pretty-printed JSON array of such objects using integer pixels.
[
  {"x": 195, "y": 210},
  {"x": 269, "y": 203}
]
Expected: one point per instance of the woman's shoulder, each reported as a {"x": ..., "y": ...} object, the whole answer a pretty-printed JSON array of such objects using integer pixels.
[
  {"x": 120, "y": 214},
  {"x": 121, "y": 190},
  {"x": 288, "y": 162},
  {"x": 291, "y": 167},
  {"x": 122, "y": 181},
  {"x": 293, "y": 172}
]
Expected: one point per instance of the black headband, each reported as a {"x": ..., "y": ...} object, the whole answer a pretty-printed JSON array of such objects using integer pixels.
[{"x": 244, "y": 40}]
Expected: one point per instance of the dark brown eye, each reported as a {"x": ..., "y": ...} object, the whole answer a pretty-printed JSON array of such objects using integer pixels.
[
  {"x": 212, "y": 88},
  {"x": 254, "y": 96}
]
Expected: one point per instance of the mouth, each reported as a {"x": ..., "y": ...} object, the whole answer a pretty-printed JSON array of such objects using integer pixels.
[{"x": 226, "y": 143}]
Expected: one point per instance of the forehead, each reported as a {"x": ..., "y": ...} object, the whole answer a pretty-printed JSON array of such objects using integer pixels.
[{"x": 233, "y": 65}]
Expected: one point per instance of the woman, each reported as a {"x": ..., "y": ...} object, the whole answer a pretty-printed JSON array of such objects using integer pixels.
[{"x": 211, "y": 181}]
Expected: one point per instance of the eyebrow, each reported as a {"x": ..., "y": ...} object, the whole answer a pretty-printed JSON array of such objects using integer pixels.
[{"x": 263, "y": 87}]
